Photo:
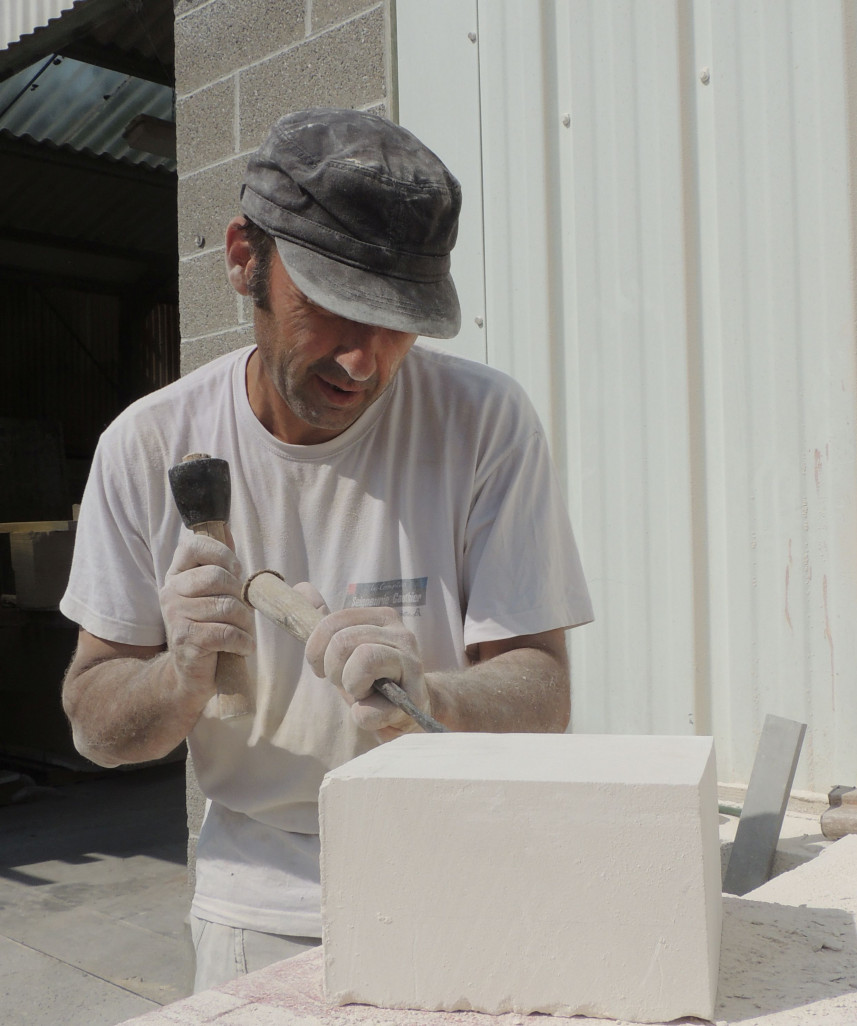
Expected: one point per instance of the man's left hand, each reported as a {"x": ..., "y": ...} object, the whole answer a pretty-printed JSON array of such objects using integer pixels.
[{"x": 355, "y": 647}]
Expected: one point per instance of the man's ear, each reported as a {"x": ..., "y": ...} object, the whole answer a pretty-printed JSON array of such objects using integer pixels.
[{"x": 239, "y": 256}]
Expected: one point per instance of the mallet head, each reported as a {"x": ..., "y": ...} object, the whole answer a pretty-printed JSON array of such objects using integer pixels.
[{"x": 202, "y": 489}]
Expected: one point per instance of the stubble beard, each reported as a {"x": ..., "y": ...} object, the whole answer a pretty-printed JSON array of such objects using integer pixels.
[{"x": 296, "y": 390}]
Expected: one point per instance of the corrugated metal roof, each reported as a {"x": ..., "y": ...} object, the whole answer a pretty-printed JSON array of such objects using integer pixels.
[
  {"x": 69, "y": 215},
  {"x": 79, "y": 204},
  {"x": 78, "y": 73},
  {"x": 136, "y": 38},
  {"x": 22, "y": 17},
  {"x": 66, "y": 102}
]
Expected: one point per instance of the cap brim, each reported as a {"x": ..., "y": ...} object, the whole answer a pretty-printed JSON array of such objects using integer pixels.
[{"x": 421, "y": 308}]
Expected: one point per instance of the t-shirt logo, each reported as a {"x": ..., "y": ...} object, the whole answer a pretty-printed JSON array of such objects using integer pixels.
[{"x": 408, "y": 595}]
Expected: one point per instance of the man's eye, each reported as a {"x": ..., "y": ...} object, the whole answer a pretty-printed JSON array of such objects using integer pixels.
[{"x": 319, "y": 309}]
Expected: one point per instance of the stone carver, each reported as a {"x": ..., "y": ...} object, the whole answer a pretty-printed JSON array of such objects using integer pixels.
[{"x": 411, "y": 488}]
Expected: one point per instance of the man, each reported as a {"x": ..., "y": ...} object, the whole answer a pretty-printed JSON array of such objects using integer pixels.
[{"x": 413, "y": 489}]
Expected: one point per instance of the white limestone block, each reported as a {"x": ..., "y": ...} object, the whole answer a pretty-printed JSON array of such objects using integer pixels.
[{"x": 566, "y": 874}]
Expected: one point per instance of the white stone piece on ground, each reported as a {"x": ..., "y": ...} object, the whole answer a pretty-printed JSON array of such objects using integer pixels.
[
  {"x": 790, "y": 946},
  {"x": 829, "y": 880},
  {"x": 566, "y": 874}
]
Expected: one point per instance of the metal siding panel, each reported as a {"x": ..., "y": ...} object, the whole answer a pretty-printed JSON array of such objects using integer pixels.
[
  {"x": 780, "y": 378},
  {"x": 584, "y": 270},
  {"x": 672, "y": 277},
  {"x": 438, "y": 48}
]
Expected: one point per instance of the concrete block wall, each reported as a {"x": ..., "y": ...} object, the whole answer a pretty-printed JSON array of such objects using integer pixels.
[{"x": 241, "y": 64}]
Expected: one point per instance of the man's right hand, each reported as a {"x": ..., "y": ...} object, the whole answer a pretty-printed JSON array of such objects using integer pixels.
[
  {"x": 203, "y": 610},
  {"x": 131, "y": 703}
]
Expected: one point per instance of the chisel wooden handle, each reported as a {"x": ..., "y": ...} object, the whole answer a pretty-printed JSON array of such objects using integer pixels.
[
  {"x": 269, "y": 593},
  {"x": 202, "y": 491}
]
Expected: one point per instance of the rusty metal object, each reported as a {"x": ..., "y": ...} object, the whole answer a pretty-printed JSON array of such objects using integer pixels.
[{"x": 841, "y": 818}]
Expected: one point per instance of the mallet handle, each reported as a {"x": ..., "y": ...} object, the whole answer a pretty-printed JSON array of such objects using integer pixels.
[
  {"x": 234, "y": 689},
  {"x": 234, "y": 695},
  {"x": 269, "y": 593}
]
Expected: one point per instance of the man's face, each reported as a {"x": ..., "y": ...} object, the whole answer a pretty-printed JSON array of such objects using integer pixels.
[{"x": 326, "y": 369}]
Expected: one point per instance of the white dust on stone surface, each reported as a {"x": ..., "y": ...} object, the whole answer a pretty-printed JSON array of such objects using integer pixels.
[{"x": 789, "y": 948}]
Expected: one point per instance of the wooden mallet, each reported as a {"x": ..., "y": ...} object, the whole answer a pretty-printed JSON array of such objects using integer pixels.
[{"x": 202, "y": 490}]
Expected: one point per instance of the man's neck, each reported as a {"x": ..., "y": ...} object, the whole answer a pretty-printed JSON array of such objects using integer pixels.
[{"x": 274, "y": 413}]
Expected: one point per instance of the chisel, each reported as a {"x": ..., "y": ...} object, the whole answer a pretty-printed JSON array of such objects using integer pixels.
[{"x": 269, "y": 593}]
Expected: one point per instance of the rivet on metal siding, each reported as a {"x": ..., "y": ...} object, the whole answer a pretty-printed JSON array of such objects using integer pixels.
[
  {"x": 471, "y": 36},
  {"x": 704, "y": 76},
  {"x": 478, "y": 321},
  {"x": 200, "y": 241},
  {"x": 566, "y": 120}
]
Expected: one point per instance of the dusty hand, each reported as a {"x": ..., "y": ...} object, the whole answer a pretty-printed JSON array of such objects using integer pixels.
[
  {"x": 203, "y": 610},
  {"x": 355, "y": 647}
]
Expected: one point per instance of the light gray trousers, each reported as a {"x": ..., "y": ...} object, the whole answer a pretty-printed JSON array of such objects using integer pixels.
[{"x": 225, "y": 952}]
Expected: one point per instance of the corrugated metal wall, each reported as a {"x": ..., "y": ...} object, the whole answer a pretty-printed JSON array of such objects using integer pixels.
[
  {"x": 61, "y": 360},
  {"x": 668, "y": 227},
  {"x": 78, "y": 358}
]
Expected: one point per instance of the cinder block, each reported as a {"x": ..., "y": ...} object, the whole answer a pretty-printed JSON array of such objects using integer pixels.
[
  {"x": 196, "y": 352},
  {"x": 207, "y": 201},
  {"x": 205, "y": 125},
  {"x": 330, "y": 12},
  {"x": 564, "y": 874},
  {"x": 340, "y": 68},
  {"x": 222, "y": 36},
  {"x": 181, "y": 7},
  {"x": 207, "y": 302}
]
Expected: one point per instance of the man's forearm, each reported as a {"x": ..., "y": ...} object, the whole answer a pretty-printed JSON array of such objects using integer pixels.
[
  {"x": 524, "y": 689},
  {"x": 129, "y": 710}
]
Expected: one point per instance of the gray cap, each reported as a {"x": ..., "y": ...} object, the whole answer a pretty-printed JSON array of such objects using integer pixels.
[{"x": 364, "y": 217}]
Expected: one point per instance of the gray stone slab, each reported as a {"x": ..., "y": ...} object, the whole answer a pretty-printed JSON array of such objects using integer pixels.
[
  {"x": 131, "y": 889},
  {"x": 160, "y": 906},
  {"x": 152, "y": 965},
  {"x": 93, "y": 901},
  {"x": 38, "y": 990},
  {"x": 765, "y": 805}
]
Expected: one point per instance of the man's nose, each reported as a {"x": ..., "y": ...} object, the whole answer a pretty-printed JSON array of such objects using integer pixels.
[{"x": 358, "y": 354}]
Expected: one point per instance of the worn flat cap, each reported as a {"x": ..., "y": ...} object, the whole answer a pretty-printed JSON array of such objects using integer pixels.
[{"x": 364, "y": 216}]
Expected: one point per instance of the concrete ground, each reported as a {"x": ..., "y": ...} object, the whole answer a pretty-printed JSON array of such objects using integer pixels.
[{"x": 93, "y": 897}]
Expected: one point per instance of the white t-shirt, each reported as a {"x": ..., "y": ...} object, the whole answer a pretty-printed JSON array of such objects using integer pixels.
[{"x": 441, "y": 500}]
